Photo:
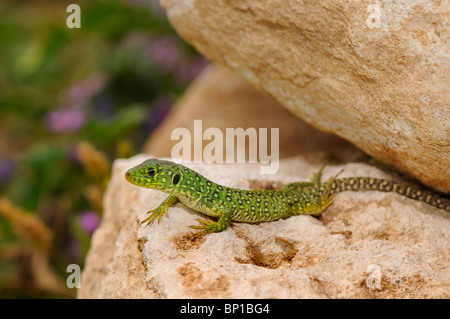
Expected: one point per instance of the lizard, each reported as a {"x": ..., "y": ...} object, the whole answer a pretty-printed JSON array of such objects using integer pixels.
[{"x": 252, "y": 206}]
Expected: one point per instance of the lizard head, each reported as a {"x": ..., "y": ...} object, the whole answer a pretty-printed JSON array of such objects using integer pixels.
[{"x": 157, "y": 174}]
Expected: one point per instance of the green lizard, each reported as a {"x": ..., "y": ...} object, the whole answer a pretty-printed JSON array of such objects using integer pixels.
[{"x": 251, "y": 206}]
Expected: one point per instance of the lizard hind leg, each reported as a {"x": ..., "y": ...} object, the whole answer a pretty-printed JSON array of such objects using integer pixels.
[
  {"x": 327, "y": 196},
  {"x": 300, "y": 186},
  {"x": 317, "y": 176},
  {"x": 313, "y": 207},
  {"x": 316, "y": 205},
  {"x": 330, "y": 185},
  {"x": 209, "y": 226}
]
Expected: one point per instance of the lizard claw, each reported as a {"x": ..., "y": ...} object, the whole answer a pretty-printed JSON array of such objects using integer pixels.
[
  {"x": 153, "y": 214},
  {"x": 207, "y": 227}
]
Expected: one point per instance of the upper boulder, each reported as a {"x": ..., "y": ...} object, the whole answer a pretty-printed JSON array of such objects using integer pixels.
[{"x": 374, "y": 73}]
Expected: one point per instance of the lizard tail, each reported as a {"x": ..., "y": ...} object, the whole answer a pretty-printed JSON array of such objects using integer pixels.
[{"x": 368, "y": 183}]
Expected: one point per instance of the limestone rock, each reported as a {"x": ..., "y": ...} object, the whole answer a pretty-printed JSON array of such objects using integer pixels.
[
  {"x": 365, "y": 245},
  {"x": 222, "y": 99},
  {"x": 375, "y": 73}
]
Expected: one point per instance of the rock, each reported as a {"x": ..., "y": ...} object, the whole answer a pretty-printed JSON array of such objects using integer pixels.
[
  {"x": 222, "y": 99},
  {"x": 376, "y": 74},
  {"x": 365, "y": 245}
]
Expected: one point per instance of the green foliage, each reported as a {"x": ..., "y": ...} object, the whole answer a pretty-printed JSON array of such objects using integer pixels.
[{"x": 108, "y": 83}]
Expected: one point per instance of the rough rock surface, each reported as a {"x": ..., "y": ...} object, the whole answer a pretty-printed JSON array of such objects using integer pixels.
[
  {"x": 367, "y": 244},
  {"x": 375, "y": 73},
  {"x": 222, "y": 99}
]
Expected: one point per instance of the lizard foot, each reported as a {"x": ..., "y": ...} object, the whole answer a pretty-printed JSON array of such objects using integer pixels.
[
  {"x": 327, "y": 197},
  {"x": 155, "y": 213},
  {"x": 208, "y": 226}
]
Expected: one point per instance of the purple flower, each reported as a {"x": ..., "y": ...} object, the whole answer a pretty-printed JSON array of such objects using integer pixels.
[
  {"x": 65, "y": 120},
  {"x": 166, "y": 53},
  {"x": 7, "y": 168},
  {"x": 89, "y": 221},
  {"x": 77, "y": 96}
]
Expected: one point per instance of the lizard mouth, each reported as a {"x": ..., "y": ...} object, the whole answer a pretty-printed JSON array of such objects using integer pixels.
[
  {"x": 132, "y": 177},
  {"x": 142, "y": 181},
  {"x": 128, "y": 176}
]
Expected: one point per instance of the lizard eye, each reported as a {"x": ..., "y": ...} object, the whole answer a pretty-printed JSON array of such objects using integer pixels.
[
  {"x": 175, "y": 179},
  {"x": 151, "y": 171}
]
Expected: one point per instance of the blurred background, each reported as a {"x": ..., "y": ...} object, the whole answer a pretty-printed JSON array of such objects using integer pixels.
[{"x": 71, "y": 101}]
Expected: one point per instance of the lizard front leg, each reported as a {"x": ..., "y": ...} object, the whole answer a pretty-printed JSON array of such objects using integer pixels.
[
  {"x": 210, "y": 226},
  {"x": 161, "y": 210}
]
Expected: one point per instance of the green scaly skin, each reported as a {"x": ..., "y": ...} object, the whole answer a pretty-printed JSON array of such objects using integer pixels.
[{"x": 252, "y": 206}]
